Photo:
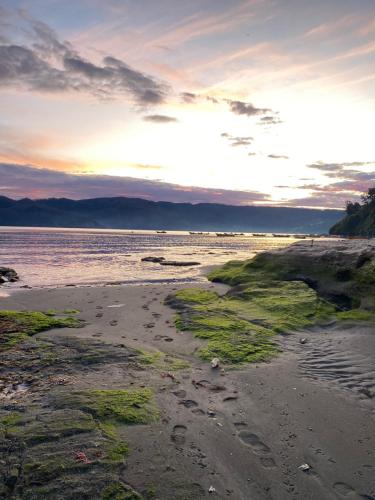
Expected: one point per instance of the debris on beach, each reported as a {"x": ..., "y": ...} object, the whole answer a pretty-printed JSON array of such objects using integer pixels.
[
  {"x": 80, "y": 456},
  {"x": 304, "y": 467},
  {"x": 170, "y": 375},
  {"x": 211, "y": 489},
  {"x": 303, "y": 340},
  {"x": 215, "y": 363}
]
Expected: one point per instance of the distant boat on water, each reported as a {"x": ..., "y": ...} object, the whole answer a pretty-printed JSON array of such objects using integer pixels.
[{"x": 161, "y": 232}]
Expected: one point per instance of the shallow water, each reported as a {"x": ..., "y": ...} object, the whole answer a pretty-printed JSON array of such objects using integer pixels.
[{"x": 56, "y": 257}]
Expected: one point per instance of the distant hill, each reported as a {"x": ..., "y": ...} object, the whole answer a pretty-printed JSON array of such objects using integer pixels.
[
  {"x": 136, "y": 213},
  {"x": 359, "y": 219}
]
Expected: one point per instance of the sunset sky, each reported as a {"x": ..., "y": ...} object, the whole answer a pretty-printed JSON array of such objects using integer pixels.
[{"x": 225, "y": 101}]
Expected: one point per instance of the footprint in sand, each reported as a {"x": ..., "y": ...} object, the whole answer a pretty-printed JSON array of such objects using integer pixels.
[
  {"x": 188, "y": 403},
  {"x": 258, "y": 447},
  {"x": 198, "y": 411},
  {"x": 230, "y": 398},
  {"x": 251, "y": 439},
  {"x": 113, "y": 323},
  {"x": 97, "y": 334},
  {"x": 268, "y": 462},
  {"x": 346, "y": 491},
  {"x": 178, "y": 434},
  {"x": 180, "y": 393},
  {"x": 99, "y": 315},
  {"x": 240, "y": 425}
]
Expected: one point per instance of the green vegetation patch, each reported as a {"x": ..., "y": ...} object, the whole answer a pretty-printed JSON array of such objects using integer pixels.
[
  {"x": 16, "y": 326},
  {"x": 240, "y": 325},
  {"x": 119, "y": 491},
  {"x": 264, "y": 300},
  {"x": 134, "y": 406},
  {"x": 163, "y": 361}
]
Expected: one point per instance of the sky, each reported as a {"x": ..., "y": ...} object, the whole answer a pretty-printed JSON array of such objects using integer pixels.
[{"x": 267, "y": 102}]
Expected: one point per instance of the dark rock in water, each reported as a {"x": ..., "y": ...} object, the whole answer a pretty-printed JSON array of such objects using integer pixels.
[
  {"x": 8, "y": 275},
  {"x": 153, "y": 259},
  {"x": 177, "y": 263}
]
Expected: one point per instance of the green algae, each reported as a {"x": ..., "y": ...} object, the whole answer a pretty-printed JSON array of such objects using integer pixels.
[
  {"x": 272, "y": 294},
  {"x": 134, "y": 406},
  {"x": 161, "y": 360},
  {"x": 55, "y": 312},
  {"x": 9, "y": 422},
  {"x": 355, "y": 315},
  {"x": 119, "y": 491},
  {"x": 118, "y": 452},
  {"x": 239, "y": 326},
  {"x": 17, "y": 326}
]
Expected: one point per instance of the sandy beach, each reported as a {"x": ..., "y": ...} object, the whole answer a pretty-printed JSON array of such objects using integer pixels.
[{"x": 240, "y": 433}]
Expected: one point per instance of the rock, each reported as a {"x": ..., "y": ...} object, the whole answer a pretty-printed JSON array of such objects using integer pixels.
[
  {"x": 153, "y": 259},
  {"x": 303, "y": 340},
  {"x": 178, "y": 263},
  {"x": 8, "y": 275}
]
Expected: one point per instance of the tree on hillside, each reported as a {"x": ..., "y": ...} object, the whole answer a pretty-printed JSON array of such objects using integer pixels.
[
  {"x": 352, "y": 208},
  {"x": 369, "y": 198}
]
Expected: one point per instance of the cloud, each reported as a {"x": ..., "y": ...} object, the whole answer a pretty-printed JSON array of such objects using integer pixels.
[
  {"x": 18, "y": 181},
  {"x": 278, "y": 157},
  {"x": 269, "y": 120},
  {"x": 212, "y": 99},
  {"x": 339, "y": 169},
  {"x": 350, "y": 184},
  {"x": 46, "y": 64},
  {"x": 159, "y": 119},
  {"x": 188, "y": 97},
  {"x": 237, "y": 140},
  {"x": 247, "y": 109}
]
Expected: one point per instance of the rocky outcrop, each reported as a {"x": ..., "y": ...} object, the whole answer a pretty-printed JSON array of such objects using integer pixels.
[
  {"x": 163, "y": 262},
  {"x": 342, "y": 272},
  {"x": 156, "y": 260},
  {"x": 179, "y": 263},
  {"x": 8, "y": 275}
]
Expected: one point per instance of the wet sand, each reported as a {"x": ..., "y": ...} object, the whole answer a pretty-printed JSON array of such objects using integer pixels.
[{"x": 245, "y": 431}]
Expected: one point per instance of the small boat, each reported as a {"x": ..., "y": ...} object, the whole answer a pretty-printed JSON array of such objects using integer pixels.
[{"x": 161, "y": 232}]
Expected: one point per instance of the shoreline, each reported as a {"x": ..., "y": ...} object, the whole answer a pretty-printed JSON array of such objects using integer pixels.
[{"x": 244, "y": 431}]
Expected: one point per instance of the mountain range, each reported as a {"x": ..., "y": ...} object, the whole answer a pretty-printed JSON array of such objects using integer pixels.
[{"x": 137, "y": 213}]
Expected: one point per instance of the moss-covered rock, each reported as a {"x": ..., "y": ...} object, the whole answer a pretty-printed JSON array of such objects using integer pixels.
[
  {"x": 277, "y": 292},
  {"x": 60, "y": 443},
  {"x": 239, "y": 326},
  {"x": 134, "y": 406},
  {"x": 16, "y": 326}
]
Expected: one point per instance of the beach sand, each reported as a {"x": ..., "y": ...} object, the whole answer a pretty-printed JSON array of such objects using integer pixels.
[{"x": 244, "y": 432}]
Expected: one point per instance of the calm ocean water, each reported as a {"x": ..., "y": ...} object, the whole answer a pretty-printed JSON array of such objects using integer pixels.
[{"x": 58, "y": 257}]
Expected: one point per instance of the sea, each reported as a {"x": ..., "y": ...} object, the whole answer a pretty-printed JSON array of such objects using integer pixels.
[{"x": 55, "y": 257}]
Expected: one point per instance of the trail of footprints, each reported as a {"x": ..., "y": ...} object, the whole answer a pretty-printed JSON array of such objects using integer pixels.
[{"x": 321, "y": 359}]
